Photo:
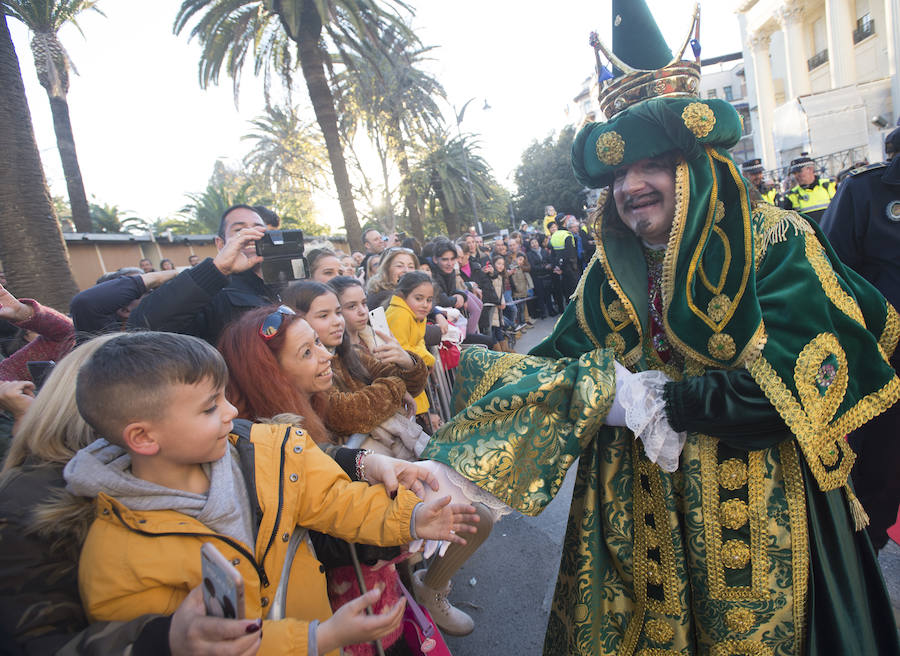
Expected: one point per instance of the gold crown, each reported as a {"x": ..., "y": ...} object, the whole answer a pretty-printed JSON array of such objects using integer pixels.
[{"x": 677, "y": 79}]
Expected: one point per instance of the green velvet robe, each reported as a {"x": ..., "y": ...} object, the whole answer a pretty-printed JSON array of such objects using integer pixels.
[{"x": 750, "y": 547}]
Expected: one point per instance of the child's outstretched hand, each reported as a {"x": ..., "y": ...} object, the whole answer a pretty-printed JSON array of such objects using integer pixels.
[
  {"x": 350, "y": 625},
  {"x": 439, "y": 519}
]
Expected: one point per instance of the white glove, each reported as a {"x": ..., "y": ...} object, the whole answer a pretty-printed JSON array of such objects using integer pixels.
[{"x": 639, "y": 405}]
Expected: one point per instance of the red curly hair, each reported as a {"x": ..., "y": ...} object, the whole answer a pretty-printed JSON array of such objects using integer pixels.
[{"x": 256, "y": 385}]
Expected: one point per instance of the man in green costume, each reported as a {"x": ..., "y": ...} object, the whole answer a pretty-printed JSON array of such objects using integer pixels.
[{"x": 713, "y": 358}]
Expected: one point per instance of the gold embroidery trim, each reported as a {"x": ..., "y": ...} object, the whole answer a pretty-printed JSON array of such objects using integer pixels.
[
  {"x": 721, "y": 346},
  {"x": 829, "y": 280},
  {"x": 665, "y": 573},
  {"x": 796, "y": 499},
  {"x": 773, "y": 227},
  {"x": 610, "y": 148},
  {"x": 493, "y": 374},
  {"x": 739, "y": 620},
  {"x": 732, "y": 474},
  {"x": 740, "y": 648},
  {"x": 726, "y": 262},
  {"x": 634, "y": 355},
  {"x": 682, "y": 202},
  {"x": 720, "y": 555},
  {"x": 579, "y": 302},
  {"x": 733, "y": 514},
  {"x": 891, "y": 333},
  {"x": 699, "y": 119},
  {"x": 659, "y": 631},
  {"x": 718, "y": 307}
]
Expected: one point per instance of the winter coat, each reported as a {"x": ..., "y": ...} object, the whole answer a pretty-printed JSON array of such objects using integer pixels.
[
  {"x": 56, "y": 337},
  {"x": 410, "y": 332},
  {"x": 95, "y": 310},
  {"x": 521, "y": 282},
  {"x": 200, "y": 301},
  {"x": 357, "y": 407},
  {"x": 445, "y": 286},
  {"x": 41, "y": 529},
  {"x": 147, "y": 561}
]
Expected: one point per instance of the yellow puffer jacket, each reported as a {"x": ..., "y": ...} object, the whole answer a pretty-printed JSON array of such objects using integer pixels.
[
  {"x": 410, "y": 332},
  {"x": 135, "y": 562}
]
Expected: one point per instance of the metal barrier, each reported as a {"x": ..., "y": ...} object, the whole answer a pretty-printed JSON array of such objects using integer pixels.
[{"x": 439, "y": 387}]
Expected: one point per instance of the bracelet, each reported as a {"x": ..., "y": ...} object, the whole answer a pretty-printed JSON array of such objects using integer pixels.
[{"x": 361, "y": 464}]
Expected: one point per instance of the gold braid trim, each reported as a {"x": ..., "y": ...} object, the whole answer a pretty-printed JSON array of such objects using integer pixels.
[
  {"x": 493, "y": 374},
  {"x": 740, "y": 648},
  {"x": 630, "y": 358},
  {"x": 796, "y": 499},
  {"x": 829, "y": 280},
  {"x": 891, "y": 333},
  {"x": 579, "y": 302}
]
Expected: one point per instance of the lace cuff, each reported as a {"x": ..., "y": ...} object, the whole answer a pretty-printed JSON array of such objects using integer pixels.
[{"x": 641, "y": 396}]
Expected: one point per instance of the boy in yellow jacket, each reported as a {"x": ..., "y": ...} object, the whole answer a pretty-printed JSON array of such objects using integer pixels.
[{"x": 171, "y": 475}]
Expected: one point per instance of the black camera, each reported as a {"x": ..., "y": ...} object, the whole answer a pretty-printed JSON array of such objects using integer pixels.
[{"x": 282, "y": 253}]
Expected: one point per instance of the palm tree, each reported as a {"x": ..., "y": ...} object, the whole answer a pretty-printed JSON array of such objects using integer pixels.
[
  {"x": 32, "y": 248},
  {"x": 288, "y": 154},
  {"x": 397, "y": 102},
  {"x": 45, "y": 18},
  {"x": 440, "y": 174},
  {"x": 229, "y": 30},
  {"x": 110, "y": 219}
]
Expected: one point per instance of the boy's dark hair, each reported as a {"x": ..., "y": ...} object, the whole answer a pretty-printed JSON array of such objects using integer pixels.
[
  {"x": 239, "y": 206},
  {"x": 130, "y": 378},
  {"x": 409, "y": 281}
]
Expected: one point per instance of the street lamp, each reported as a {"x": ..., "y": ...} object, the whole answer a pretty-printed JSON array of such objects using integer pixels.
[{"x": 459, "y": 118}]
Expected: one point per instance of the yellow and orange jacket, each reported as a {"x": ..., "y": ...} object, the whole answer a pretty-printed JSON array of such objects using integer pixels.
[
  {"x": 138, "y": 562},
  {"x": 410, "y": 332}
]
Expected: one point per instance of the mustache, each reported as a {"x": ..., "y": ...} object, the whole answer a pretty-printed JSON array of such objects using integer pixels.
[{"x": 652, "y": 196}]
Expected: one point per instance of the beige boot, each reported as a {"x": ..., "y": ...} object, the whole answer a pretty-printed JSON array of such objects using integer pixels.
[{"x": 449, "y": 619}]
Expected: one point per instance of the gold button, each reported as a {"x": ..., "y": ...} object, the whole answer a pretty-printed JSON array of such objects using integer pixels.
[{"x": 294, "y": 478}]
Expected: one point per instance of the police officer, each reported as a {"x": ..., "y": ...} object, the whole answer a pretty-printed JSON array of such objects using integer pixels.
[
  {"x": 811, "y": 194},
  {"x": 565, "y": 260},
  {"x": 863, "y": 225},
  {"x": 753, "y": 171}
]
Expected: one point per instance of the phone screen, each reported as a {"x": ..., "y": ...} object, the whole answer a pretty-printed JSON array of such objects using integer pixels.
[{"x": 223, "y": 587}]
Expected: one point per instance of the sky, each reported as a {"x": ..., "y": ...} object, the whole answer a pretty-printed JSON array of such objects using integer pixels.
[{"x": 146, "y": 134}]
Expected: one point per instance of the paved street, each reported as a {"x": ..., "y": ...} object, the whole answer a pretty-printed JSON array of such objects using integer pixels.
[{"x": 514, "y": 572}]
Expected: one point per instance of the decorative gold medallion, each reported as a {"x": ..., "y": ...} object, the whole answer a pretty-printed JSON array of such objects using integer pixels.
[
  {"x": 733, "y": 474},
  {"x": 611, "y": 148},
  {"x": 721, "y": 346},
  {"x": 739, "y": 620},
  {"x": 718, "y": 307},
  {"x": 735, "y": 554},
  {"x": 616, "y": 311},
  {"x": 659, "y": 87},
  {"x": 615, "y": 342},
  {"x": 733, "y": 514},
  {"x": 720, "y": 211},
  {"x": 659, "y": 631},
  {"x": 699, "y": 119}
]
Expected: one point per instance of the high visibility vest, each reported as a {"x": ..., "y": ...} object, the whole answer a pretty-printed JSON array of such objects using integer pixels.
[
  {"x": 812, "y": 200},
  {"x": 558, "y": 239},
  {"x": 547, "y": 220},
  {"x": 770, "y": 195}
]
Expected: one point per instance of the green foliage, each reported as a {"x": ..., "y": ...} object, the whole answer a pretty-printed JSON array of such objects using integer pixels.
[
  {"x": 545, "y": 178},
  {"x": 63, "y": 213},
  {"x": 110, "y": 219}
]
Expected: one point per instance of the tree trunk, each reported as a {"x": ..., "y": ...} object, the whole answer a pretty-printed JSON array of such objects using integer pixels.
[
  {"x": 65, "y": 142},
  {"x": 411, "y": 196},
  {"x": 31, "y": 248},
  {"x": 450, "y": 218},
  {"x": 313, "y": 66}
]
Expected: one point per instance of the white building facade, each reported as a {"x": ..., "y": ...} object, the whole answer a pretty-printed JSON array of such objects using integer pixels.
[{"x": 821, "y": 78}]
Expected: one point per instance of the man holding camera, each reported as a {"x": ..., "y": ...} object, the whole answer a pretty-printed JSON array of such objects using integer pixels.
[{"x": 201, "y": 300}]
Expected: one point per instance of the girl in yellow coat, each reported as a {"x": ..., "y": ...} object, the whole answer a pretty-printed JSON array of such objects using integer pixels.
[{"x": 410, "y": 304}]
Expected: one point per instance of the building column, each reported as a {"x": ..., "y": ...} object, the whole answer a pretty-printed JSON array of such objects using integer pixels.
[
  {"x": 765, "y": 95},
  {"x": 790, "y": 16},
  {"x": 841, "y": 56},
  {"x": 892, "y": 38}
]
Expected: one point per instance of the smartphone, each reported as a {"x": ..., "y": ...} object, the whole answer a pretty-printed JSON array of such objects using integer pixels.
[
  {"x": 223, "y": 586},
  {"x": 378, "y": 322},
  {"x": 39, "y": 370}
]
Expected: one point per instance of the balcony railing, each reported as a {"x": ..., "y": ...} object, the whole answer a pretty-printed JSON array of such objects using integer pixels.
[
  {"x": 865, "y": 27},
  {"x": 817, "y": 59}
]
